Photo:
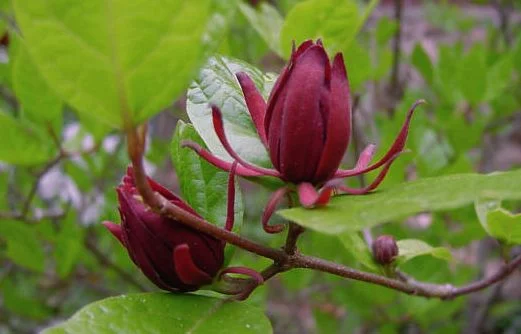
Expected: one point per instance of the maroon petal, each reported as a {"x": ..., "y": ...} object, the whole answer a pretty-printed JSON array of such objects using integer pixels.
[
  {"x": 255, "y": 103},
  {"x": 116, "y": 231},
  {"x": 338, "y": 123},
  {"x": 375, "y": 183},
  {"x": 218, "y": 162},
  {"x": 303, "y": 128},
  {"x": 221, "y": 134},
  {"x": 186, "y": 269},
  {"x": 274, "y": 200},
  {"x": 396, "y": 148},
  {"x": 230, "y": 203}
]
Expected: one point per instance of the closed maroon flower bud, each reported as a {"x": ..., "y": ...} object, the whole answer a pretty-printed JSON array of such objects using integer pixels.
[
  {"x": 307, "y": 121},
  {"x": 173, "y": 256},
  {"x": 385, "y": 249}
]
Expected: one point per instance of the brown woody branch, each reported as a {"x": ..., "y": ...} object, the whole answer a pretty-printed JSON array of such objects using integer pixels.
[{"x": 288, "y": 258}]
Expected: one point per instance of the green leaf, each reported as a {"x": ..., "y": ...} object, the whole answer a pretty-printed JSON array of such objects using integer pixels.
[
  {"x": 473, "y": 75},
  {"x": 26, "y": 145},
  {"x": 216, "y": 84},
  {"x": 38, "y": 101},
  {"x": 267, "y": 21},
  {"x": 422, "y": 62},
  {"x": 18, "y": 296},
  {"x": 358, "y": 248},
  {"x": 23, "y": 246},
  {"x": 120, "y": 61},
  {"x": 68, "y": 247},
  {"x": 336, "y": 22},
  {"x": 385, "y": 30},
  {"x": 498, "y": 77},
  {"x": 498, "y": 222},
  {"x": 354, "y": 213},
  {"x": 411, "y": 248},
  {"x": 165, "y": 313},
  {"x": 203, "y": 186}
]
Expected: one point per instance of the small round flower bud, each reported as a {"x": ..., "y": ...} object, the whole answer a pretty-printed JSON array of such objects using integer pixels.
[{"x": 385, "y": 249}]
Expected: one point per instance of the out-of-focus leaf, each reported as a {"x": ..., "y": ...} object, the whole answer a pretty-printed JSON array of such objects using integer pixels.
[
  {"x": 23, "y": 245},
  {"x": 354, "y": 213},
  {"x": 23, "y": 145},
  {"x": 385, "y": 30},
  {"x": 217, "y": 84},
  {"x": 18, "y": 298},
  {"x": 68, "y": 247},
  {"x": 165, "y": 313},
  {"x": 473, "y": 75},
  {"x": 499, "y": 77},
  {"x": 266, "y": 20},
  {"x": 358, "y": 248},
  {"x": 336, "y": 22},
  {"x": 119, "y": 61},
  {"x": 411, "y": 248},
  {"x": 422, "y": 62}
]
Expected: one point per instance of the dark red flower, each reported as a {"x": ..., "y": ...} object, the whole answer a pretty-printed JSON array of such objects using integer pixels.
[
  {"x": 173, "y": 256},
  {"x": 385, "y": 249},
  {"x": 305, "y": 127}
]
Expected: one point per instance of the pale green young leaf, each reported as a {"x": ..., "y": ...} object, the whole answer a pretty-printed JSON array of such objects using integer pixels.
[
  {"x": 217, "y": 84},
  {"x": 165, "y": 313},
  {"x": 358, "y": 248},
  {"x": 411, "y": 248}
]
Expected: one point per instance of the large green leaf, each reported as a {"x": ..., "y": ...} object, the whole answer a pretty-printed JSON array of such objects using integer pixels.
[
  {"x": 22, "y": 144},
  {"x": 203, "y": 186},
  {"x": 38, "y": 101},
  {"x": 121, "y": 61},
  {"x": 216, "y": 84},
  {"x": 165, "y": 313},
  {"x": 358, "y": 248},
  {"x": 411, "y": 248},
  {"x": 267, "y": 21},
  {"x": 23, "y": 246},
  {"x": 353, "y": 213}
]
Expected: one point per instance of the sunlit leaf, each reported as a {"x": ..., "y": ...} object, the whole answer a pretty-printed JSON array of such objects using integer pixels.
[{"x": 354, "y": 213}]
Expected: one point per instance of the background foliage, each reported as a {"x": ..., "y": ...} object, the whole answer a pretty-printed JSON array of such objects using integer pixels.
[{"x": 69, "y": 82}]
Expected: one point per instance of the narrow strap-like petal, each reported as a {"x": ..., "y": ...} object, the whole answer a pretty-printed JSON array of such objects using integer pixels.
[
  {"x": 396, "y": 148},
  {"x": 374, "y": 184},
  {"x": 186, "y": 269},
  {"x": 218, "y": 162},
  {"x": 219, "y": 130},
  {"x": 274, "y": 200},
  {"x": 255, "y": 103},
  {"x": 230, "y": 205}
]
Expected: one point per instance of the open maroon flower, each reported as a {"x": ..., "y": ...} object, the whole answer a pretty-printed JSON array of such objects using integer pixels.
[
  {"x": 305, "y": 127},
  {"x": 172, "y": 255}
]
